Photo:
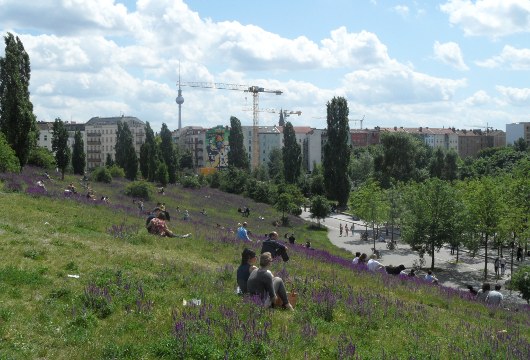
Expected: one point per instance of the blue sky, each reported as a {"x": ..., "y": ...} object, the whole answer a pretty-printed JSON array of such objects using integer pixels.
[{"x": 398, "y": 63}]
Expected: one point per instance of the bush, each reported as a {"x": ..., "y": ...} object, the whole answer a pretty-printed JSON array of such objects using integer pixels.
[
  {"x": 8, "y": 159},
  {"x": 161, "y": 174},
  {"x": 101, "y": 174},
  {"x": 215, "y": 180},
  {"x": 521, "y": 282},
  {"x": 139, "y": 189},
  {"x": 116, "y": 171},
  {"x": 41, "y": 157},
  {"x": 191, "y": 182},
  {"x": 234, "y": 180}
]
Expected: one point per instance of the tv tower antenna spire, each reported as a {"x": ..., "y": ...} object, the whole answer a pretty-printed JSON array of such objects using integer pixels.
[{"x": 180, "y": 101}]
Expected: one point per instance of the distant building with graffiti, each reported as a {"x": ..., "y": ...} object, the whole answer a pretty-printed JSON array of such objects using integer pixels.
[{"x": 217, "y": 147}]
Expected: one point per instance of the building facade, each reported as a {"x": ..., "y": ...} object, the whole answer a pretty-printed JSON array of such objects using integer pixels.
[
  {"x": 517, "y": 131},
  {"x": 101, "y": 138}
]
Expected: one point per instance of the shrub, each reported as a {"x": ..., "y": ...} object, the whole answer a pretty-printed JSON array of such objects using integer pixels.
[
  {"x": 233, "y": 180},
  {"x": 139, "y": 189},
  {"x": 41, "y": 157},
  {"x": 191, "y": 182},
  {"x": 8, "y": 159},
  {"x": 521, "y": 282},
  {"x": 116, "y": 171},
  {"x": 215, "y": 180},
  {"x": 161, "y": 174},
  {"x": 101, "y": 174}
]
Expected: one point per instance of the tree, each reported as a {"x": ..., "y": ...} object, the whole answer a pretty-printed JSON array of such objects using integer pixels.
[
  {"x": 401, "y": 158},
  {"x": 437, "y": 163},
  {"x": 521, "y": 282},
  {"x": 428, "y": 216},
  {"x": 149, "y": 155},
  {"x": 284, "y": 204},
  {"x": 167, "y": 153},
  {"x": 520, "y": 145},
  {"x": 8, "y": 158},
  {"x": 186, "y": 160},
  {"x": 450, "y": 171},
  {"x": 17, "y": 121},
  {"x": 361, "y": 167},
  {"x": 237, "y": 156},
  {"x": 109, "y": 161},
  {"x": 162, "y": 174},
  {"x": 483, "y": 206},
  {"x": 292, "y": 154},
  {"x": 275, "y": 165},
  {"x": 319, "y": 208},
  {"x": 126, "y": 156},
  {"x": 370, "y": 203},
  {"x": 337, "y": 151},
  {"x": 60, "y": 146},
  {"x": 78, "y": 154}
]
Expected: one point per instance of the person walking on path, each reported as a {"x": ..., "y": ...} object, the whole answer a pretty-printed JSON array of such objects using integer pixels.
[
  {"x": 503, "y": 265},
  {"x": 519, "y": 253},
  {"x": 346, "y": 229}
]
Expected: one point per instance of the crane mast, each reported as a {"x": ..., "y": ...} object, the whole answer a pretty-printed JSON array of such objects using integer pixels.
[{"x": 255, "y": 90}]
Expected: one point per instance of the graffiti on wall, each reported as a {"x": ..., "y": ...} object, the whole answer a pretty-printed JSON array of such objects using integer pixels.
[{"x": 217, "y": 147}]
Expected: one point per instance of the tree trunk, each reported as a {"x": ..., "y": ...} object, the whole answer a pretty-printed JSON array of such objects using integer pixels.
[
  {"x": 486, "y": 258},
  {"x": 432, "y": 256},
  {"x": 62, "y": 174},
  {"x": 457, "y": 252}
]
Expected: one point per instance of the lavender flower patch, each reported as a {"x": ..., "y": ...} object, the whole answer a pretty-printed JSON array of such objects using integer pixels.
[
  {"x": 123, "y": 231},
  {"x": 98, "y": 299}
]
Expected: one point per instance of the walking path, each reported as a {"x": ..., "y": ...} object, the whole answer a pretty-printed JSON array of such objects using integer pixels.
[{"x": 468, "y": 270}]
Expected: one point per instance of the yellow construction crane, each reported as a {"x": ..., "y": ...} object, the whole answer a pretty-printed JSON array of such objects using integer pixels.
[{"x": 255, "y": 90}]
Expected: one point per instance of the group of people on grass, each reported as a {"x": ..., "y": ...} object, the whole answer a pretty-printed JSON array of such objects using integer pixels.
[
  {"x": 260, "y": 280},
  {"x": 488, "y": 296},
  {"x": 156, "y": 222}
]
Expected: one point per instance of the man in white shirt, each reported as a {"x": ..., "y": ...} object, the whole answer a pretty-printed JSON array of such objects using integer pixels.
[
  {"x": 374, "y": 265},
  {"x": 494, "y": 296}
]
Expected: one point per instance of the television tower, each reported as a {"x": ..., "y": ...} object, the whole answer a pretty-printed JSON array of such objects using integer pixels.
[{"x": 180, "y": 101}]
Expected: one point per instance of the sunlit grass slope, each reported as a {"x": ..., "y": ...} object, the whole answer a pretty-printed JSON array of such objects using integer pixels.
[{"x": 83, "y": 280}]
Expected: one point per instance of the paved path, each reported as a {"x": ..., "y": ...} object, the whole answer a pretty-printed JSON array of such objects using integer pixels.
[{"x": 467, "y": 271}]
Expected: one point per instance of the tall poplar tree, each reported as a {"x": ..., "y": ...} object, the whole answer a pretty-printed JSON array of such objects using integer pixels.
[
  {"x": 337, "y": 151},
  {"x": 125, "y": 153},
  {"x": 149, "y": 155},
  {"x": 167, "y": 153},
  {"x": 292, "y": 154},
  {"x": 17, "y": 120},
  {"x": 60, "y": 145},
  {"x": 237, "y": 156},
  {"x": 78, "y": 154}
]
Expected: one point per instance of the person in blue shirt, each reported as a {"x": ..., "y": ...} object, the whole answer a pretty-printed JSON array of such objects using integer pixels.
[{"x": 242, "y": 232}]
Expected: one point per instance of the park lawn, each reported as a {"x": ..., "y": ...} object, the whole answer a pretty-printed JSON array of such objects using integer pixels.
[{"x": 127, "y": 302}]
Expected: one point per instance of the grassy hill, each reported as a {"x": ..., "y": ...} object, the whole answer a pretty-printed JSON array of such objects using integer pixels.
[{"x": 81, "y": 279}]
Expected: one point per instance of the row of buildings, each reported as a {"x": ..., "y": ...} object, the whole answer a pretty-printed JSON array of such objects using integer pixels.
[{"x": 209, "y": 146}]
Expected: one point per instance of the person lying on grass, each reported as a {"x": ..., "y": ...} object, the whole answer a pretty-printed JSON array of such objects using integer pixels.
[
  {"x": 158, "y": 226},
  {"x": 269, "y": 287}
]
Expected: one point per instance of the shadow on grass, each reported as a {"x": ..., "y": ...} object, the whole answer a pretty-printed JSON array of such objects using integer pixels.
[{"x": 316, "y": 227}]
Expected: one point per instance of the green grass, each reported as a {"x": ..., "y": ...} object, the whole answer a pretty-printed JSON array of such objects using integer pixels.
[{"x": 127, "y": 301}]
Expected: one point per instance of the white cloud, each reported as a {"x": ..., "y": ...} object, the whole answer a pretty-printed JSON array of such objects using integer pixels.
[
  {"x": 479, "y": 98},
  {"x": 402, "y": 10},
  {"x": 492, "y": 18},
  {"x": 450, "y": 53},
  {"x": 510, "y": 57},
  {"x": 515, "y": 96},
  {"x": 399, "y": 83}
]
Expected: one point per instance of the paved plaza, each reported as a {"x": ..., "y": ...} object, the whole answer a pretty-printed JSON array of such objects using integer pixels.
[{"x": 468, "y": 270}]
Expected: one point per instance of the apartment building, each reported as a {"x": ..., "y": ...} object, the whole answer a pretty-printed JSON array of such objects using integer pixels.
[
  {"x": 516, "y": 131},
  {"x": 193, "y": 139},
  {"x": 46, "y": 133},
  {"x": 101, "y": 133}
]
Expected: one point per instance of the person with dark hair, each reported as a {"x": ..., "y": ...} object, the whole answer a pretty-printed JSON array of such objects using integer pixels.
[
  {"x": 269, "y": 287},
  {"x": 363, "y": 259},
  {"x": 431, "y": 278},
  {"x": 273, "y": 246},
  {"x": 356, "y": 258},
  {"x": 248, "y": 261},
  {"x": 482, "y": 294},
  {"x": 291, "y": 239}
]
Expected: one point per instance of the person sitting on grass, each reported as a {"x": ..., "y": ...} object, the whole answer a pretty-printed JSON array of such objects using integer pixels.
[
  {"x": 242, "y": 232},
  {"x": 269, "y": 287},
  {"x": 356, "y": 258},
  {"x": 373, "y": 264},
  {"x": 158, "y": 226},
  {"x": 483, "y": 293},
  {"x": 248, "y": 261},
  {"x": 273, "y": 246},
  {"x": 431, "y": 278}
]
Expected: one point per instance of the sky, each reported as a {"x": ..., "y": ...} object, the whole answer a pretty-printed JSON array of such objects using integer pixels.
[{"x": 451, "y": 63}]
